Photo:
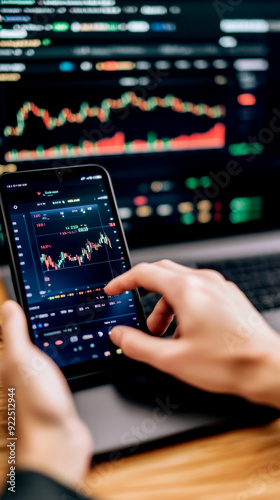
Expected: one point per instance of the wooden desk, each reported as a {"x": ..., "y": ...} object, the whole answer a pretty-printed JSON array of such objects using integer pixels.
[{"x": 238, "y": 465}]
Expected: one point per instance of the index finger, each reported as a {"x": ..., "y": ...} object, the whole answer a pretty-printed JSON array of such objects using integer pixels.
[{"x": 149, "y": 276}]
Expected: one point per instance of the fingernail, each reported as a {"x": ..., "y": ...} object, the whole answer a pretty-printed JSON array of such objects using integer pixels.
[{"x": 115, "y": 334}]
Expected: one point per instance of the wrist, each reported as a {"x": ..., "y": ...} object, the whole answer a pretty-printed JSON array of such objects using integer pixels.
[
  {"x": 62, "y": 452},
  {"x": 263, "y": 381}
]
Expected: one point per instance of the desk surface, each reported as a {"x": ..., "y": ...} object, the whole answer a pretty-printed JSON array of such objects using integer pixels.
[{"x": 238, "y": 465}]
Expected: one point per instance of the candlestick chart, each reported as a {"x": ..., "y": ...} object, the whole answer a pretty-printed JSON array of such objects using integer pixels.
[
  {"x": 74, "y": 248},
  {"x": 85, "y": 254},
  {"x": 127, "y": 124},
  {"x": 103, "y": 112}
]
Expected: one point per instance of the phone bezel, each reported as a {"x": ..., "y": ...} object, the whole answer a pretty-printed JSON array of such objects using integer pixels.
[{"x": 86, "y": 367}]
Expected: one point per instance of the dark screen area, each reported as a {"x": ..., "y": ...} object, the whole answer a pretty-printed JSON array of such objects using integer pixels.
[{"x": 178, "y": 100}]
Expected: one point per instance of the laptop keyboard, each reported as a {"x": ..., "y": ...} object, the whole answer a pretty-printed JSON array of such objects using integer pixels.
[{"x": 257, "y": 277}]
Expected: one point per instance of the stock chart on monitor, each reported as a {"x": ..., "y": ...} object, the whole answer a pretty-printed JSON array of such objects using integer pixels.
[
  {"x": 133, "y": 124},
  {"x": 164, "y": 95}
]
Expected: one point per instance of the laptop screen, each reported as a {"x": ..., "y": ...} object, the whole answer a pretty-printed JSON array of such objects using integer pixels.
[{"x": 178, "y": 100}]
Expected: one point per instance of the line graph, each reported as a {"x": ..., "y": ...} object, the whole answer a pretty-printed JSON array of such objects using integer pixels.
[
  {"x": 103, "y": 112},
  {"x": 86, "y": 253}
]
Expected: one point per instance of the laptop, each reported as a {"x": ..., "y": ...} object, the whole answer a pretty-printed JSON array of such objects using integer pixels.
[{"x": 180, "y": 102}]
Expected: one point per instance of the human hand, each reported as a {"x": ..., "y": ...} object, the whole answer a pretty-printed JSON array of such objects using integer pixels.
[
  {"x": 52, "y": 439},
  {"x": 221, "y": 344}
]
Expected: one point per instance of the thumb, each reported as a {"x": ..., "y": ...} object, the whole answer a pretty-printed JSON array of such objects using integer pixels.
[
  {"x": 14, "y": 330},
  {"x": 140, "y": 346}
]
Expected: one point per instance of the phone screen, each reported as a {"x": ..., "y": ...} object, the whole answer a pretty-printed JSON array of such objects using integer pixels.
[{"x": 69, "y": 244}]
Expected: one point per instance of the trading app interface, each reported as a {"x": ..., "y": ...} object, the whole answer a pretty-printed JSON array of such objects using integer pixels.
[
  {"x": 165, "y": 94},
  {"x": 69, "y": 248}
]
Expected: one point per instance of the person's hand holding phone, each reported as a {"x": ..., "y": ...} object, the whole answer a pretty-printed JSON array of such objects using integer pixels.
[
  {"x": 221, "y": 344},
  {"x": 52, "y": 439}
]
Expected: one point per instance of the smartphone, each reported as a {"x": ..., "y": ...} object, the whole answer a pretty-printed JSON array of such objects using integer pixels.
[{"x": 66, "y": 243}]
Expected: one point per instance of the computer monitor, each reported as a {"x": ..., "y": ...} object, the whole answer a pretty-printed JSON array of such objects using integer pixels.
[{"x": 178, "y": 100}]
